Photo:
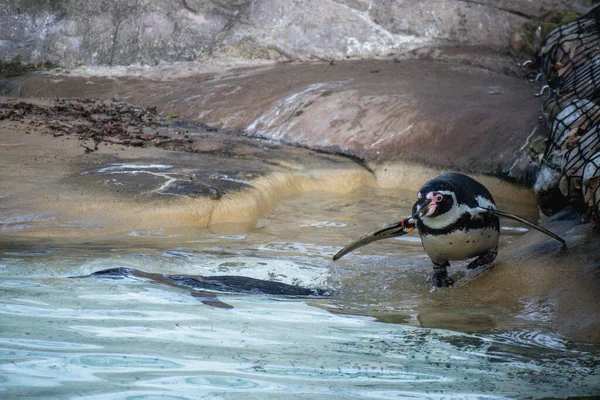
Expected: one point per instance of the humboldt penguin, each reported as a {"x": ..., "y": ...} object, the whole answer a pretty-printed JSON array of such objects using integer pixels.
[{"x": 457, "y": 219}]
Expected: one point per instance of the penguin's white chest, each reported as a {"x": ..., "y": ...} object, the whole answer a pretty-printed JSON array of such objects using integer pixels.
[{"x": 459, "y": 244}]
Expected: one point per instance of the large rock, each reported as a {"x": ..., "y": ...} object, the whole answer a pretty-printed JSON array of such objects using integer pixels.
[
  {"x": 120, "y": 32},
  {"x": 437, "y": 114},
  {"x": 73, "y": 32},
  {"x": 52, "y": 174}
]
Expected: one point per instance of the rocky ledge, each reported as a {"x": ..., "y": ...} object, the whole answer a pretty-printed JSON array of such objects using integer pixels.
[
  {"x": 437, "y": 114},
  {"x": 120, "y": 167}
]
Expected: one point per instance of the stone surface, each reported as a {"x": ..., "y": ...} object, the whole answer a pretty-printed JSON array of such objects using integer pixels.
[
  {"x": 111, "y": 32},
  {"x": 438, "y": 114},
  {"x": 120, "y": 32},
  {"x": 566, "y": 278},
  {"x": 214, "y": 179}
]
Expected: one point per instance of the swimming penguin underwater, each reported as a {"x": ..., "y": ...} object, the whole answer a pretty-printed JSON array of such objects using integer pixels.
[{"x": 457, "y": 219}]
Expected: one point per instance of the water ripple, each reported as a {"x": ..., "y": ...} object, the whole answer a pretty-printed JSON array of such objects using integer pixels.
[
  {"x": 48, "y": 345},
  {"x": 69, "y": 313}
]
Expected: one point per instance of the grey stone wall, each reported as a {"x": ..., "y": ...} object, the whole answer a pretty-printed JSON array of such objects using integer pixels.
[
  {"x": 113, "y": 32},
  {"x": 124, "y": 32}
]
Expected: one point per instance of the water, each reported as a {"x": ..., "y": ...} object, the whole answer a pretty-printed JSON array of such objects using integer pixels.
[{"x": 384, "y": 333}]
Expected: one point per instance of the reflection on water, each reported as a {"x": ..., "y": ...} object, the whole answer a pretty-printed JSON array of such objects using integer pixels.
[{"x": 377, "y": 337}]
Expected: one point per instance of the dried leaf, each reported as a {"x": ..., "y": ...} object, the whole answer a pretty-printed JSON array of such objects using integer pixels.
[
  {"x": 146, "y": 137},
  {"x": 572, "y": 138},
  {"x": 562, "y": 71}
]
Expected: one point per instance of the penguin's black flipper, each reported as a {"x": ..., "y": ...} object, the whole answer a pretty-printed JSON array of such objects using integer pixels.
[
  {"x": 525, "y": 222},
  {"x": 394, "y": 230}
]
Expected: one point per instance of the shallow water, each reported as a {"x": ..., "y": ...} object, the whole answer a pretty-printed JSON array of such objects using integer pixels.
[{"x": 377, "y": 336}]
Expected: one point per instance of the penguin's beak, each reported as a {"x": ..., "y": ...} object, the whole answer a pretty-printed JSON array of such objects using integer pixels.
[{"x": 426, "y": 207}]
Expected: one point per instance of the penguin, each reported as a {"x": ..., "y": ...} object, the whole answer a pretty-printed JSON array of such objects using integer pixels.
[{"x": 457, "y": 219}]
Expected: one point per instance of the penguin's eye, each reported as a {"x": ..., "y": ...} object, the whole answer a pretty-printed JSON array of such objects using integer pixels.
[{"x": 438, "y": 197}]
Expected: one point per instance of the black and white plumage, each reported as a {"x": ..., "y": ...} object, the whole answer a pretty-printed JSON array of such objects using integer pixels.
[{"x": 457, "y": 219}]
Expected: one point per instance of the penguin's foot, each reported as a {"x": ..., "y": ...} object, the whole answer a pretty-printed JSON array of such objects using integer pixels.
[
  {"x": 440, "y": 276},
  {"x": 484, "y": 259},
  {"x": 442, "y": 280}
]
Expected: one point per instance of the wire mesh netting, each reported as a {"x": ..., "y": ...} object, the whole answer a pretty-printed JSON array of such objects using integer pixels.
[
  {"x": 568, "y": 48},
  {"x": 570, "y": 62}
]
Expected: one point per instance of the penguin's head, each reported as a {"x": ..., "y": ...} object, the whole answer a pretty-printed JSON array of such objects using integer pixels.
[
  {"x": 444, "y": 200},
  {"x": 440, "y": 203},
  {"x": 434, "y": 203}
]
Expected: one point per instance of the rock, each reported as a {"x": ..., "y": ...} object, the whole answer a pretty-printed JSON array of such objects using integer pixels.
[
  {"x": 578, "y": 116},
  {"x": 547, "y": 191},
  {"x": 119, "y": 32},
  {"x": 577, "y": 156},
  {"x": 573, "y": 137},
  {"x": 566, "y": 279},
  {"x": 585, "y": 80},
  {"x": 73, "y": 32},
  {"x": 375, "y": 111},
  {"x": 114, "y": 187},
  {"x": 517, "y": 42},
  {"x": 590, "y": 187}
]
